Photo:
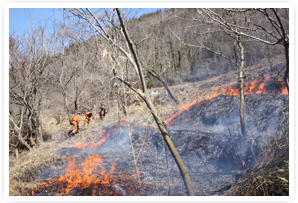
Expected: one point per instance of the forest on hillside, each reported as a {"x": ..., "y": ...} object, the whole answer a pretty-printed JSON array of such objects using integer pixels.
[{"x": 109, "y": 57}]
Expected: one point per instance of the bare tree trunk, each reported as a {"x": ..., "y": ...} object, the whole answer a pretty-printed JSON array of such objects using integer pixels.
[
  {"x": 154, "y": 74},
  {"x": 60, "y": 78},
  {"x": 144, "y": 95},
  {"x": 160, "y": 124},
  {"x": 19, "y": 129},
  {"x": 65, "y": 103},
  {"x": 39, "y": 137},
  {"x": 286, "y": 77},
  {"x": 64, "y": 95},
  {"x": 76, "y": 100},
  {"x": 30, "y": 122},
  {"x": 36, "y": 112},
  {"x": 17, "y": 154},
  {"x": 241, "y": 77}
]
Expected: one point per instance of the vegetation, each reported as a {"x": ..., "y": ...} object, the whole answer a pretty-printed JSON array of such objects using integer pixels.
[
  {"x": 111, "y": 59},
  {"x": 271, "y": 176}
]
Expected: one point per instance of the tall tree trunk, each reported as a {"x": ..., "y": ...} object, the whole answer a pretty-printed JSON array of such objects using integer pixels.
[
  {"x": 30, "y": 123},
  {"x": 17, "y": 154},
  {"x": 241, "y": 76},
  {"x": 64, "y": 94},
  {"x": 19, "y": 129},
  {"x": 144, "y": 95},
  {"x": 66, "y": 103},
  {"x": 60, "y": 78},
  {"x": 76, "y": 100},
  {"x": 286, "y": 77},
  {"x": 39, "y": 137}
]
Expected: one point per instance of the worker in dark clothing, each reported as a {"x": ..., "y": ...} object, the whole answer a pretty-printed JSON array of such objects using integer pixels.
[
  {"x": 75, "y": 120},
  {"x": 102, "y": 112},
  {"x": 88, "y": 116}
]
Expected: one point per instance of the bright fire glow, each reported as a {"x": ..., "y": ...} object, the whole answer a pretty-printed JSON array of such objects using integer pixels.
[
  {"x": 90, "y": 178},
  {"x": 84, "y": 176},
  {"x": 90, "y": 144},
  {"x": 255, "y": 87}
]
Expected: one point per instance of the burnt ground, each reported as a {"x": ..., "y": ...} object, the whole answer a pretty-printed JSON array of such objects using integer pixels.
[{"x": 208, "y": 139}]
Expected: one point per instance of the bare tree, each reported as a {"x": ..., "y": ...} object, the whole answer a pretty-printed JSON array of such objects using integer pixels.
[
  {"x": 279, "y": 29},
  {"x": 29, "y": 59},
  {"x": 227, "y": 25},
  {"x": 271, "y": 30},
  {"x": 241, "y": 23},
  {"x": 132, "y": 56}
]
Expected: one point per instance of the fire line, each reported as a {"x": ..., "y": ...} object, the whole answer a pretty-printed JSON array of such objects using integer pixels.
[{"x": 254, "y": 87}]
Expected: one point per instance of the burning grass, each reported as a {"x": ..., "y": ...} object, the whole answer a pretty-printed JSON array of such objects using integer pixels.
[
  {"x": 89, "y": 178},
  {"x": 260, "y": 86},
  {"x": 84, "y": 178}
]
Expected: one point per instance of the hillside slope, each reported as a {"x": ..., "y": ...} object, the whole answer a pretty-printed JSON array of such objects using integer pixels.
[{"x": 205, "y": 130}]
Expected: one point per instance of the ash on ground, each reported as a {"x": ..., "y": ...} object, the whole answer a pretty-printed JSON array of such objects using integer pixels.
[{"x": 208, "y": 138}]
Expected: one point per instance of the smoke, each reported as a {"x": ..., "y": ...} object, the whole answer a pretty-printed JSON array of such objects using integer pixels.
[
  {"x": 119, "y": 189},
  {"x": 206, "y": 135}
]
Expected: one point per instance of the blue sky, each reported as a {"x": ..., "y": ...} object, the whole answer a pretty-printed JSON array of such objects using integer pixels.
[{"x": 21, "y": 19}]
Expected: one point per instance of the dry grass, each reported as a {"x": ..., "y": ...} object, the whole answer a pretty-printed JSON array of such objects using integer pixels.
[
  {"x": 263, "y": 178},
  {"x": 270, "y": 177},
  {"x": 22, "y": 170}
]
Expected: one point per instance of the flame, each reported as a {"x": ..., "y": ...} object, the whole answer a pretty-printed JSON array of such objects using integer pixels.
[
  {"x": 89, "y": 178},
  {"x": 103, "y": 135},
  {"x": 75, "y": 177},
  {"x": 181, "y": 109},
  {"x": 92, "y": 178},
  {"x": 82, "y": 176},
  {"x": 284, "y": 89},
  {"x": 254, "y": 87}
]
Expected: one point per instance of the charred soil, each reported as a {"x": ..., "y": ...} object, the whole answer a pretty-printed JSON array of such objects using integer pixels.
[{"x": 206, "y": 133}]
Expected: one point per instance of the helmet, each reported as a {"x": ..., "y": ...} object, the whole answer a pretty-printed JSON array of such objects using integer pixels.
[{"x": 79, "y": 113}]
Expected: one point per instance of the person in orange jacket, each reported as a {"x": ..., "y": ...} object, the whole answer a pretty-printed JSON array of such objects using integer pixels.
[
  {"x": 87, "y": 117},
  {"x": 75, "y": 120}
]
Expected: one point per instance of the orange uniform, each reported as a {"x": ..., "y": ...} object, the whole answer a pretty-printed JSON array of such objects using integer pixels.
[
  {"x": 87, "y": 117},
  {"x": 75, "y": 120}
]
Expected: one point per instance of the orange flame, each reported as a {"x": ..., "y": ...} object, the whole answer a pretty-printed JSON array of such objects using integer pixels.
[
  {"x": 82, "y": 176},
  {"x": 90, "y": 144},
  {"x": 88, "y": 178},
  {"x": 75, "y": 177},
  {"x": 181, "y": 109},
  {"x": 255, "y": 87},
  {"x": 284, "y": 90}
]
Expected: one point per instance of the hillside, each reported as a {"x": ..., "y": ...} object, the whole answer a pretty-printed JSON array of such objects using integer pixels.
[
  {"x": 197, "y": 102},
  {"x": 204, "y": 128}
]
